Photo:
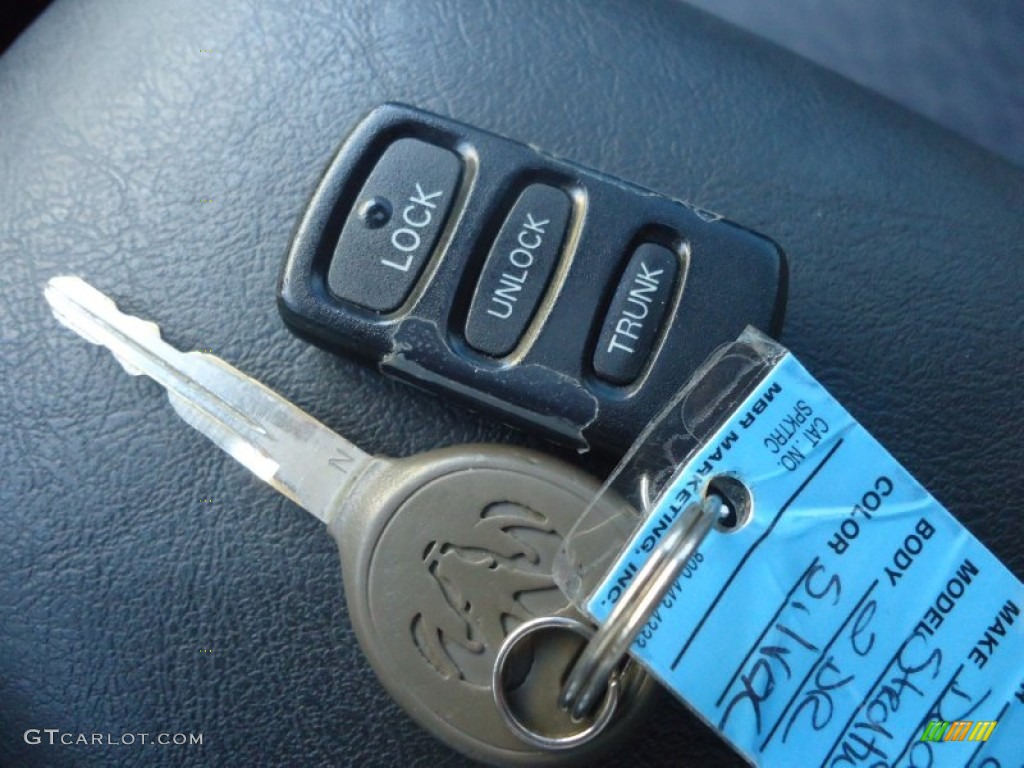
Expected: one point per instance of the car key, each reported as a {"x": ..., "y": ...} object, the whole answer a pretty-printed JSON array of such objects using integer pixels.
[
  {"x": 562, "y": 300},
  {"x": 438, "y": 551}
]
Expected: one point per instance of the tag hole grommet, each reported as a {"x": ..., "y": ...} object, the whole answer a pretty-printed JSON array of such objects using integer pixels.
[
  {"x": 737, "y": 502},
  {"x": 529, "y": 735}
]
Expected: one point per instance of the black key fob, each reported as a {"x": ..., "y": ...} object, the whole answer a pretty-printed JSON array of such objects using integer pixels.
[{"x": 559, "y": 299}]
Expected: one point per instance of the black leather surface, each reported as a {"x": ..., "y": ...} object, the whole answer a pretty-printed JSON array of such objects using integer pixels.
[
  {"x": 906, "y": 301},
  {"x": 958, "y": 62}
]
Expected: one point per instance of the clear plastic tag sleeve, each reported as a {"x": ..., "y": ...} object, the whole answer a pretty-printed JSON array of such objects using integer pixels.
[
  {"x": 687, "y": 421},
  {"x": 850, "y": 621}
]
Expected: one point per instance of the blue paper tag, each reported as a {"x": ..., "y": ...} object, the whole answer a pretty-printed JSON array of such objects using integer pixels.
[{"x": 852, "y": 621}]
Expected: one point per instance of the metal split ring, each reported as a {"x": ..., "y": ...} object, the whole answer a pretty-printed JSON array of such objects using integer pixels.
[
  {"x": 599, "y": 667},
  {"x": 600, "y": 721},
  {"x": 595, "y": 666}
]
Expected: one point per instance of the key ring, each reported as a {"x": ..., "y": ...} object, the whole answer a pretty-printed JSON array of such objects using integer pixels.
[
  {"x": 595, "y": 666},
  {"x": 501, "y": 699}
]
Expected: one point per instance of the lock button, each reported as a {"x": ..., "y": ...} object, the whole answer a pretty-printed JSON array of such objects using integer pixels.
[{"x": 394, "y": 225}]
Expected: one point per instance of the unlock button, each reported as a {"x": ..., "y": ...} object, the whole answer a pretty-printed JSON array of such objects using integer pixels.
[
  {"x": 393, "y": 227},
  {"x": 518, "y": 269}
]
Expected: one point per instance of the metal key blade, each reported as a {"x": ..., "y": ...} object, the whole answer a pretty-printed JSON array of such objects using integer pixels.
[{"x": 278, "y": 442}]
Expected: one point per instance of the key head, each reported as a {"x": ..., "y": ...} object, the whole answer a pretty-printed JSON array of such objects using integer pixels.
[{"x": 445, "y": 553}]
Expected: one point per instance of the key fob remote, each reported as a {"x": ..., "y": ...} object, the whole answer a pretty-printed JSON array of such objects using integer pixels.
[{"x": 562, "y": 300}]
